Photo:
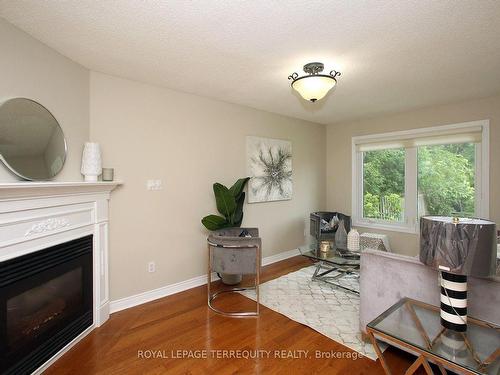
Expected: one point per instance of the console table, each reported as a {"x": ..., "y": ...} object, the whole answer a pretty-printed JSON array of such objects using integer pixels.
[{"x": 415, "y": 327}]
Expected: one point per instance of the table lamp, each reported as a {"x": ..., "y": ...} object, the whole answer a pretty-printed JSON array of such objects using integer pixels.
[{"x": 458, "y": 248}]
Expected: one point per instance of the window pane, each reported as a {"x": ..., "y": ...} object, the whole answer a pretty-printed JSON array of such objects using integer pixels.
[
  {"x": 384, "y": 184},
  {"x": 446, "y": 180}
]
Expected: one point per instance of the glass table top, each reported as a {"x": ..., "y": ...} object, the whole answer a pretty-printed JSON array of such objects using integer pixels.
[
  {"x": 333, "y": 256},
  {"x": 419, "y": 325}
]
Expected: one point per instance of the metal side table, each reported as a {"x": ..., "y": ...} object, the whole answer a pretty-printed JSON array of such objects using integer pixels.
[{"x": 416, "y": 327}]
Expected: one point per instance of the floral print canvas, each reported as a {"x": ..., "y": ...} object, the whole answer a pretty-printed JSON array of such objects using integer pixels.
[{"x": 269, "y": 164}]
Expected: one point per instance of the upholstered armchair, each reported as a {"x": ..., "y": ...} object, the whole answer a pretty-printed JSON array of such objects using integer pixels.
[{"x": 234, "y": 251}]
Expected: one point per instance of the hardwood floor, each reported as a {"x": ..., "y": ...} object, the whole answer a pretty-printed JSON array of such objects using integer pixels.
[{"x": 183, "y": 322}]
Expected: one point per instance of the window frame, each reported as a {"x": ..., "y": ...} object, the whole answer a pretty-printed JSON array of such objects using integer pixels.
[{"x": 410, "y": 222}]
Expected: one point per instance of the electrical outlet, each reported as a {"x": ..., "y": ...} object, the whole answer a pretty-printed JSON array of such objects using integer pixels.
[
  {"x": 151, "y": 267},
  {"x": 154, "y": 185}
]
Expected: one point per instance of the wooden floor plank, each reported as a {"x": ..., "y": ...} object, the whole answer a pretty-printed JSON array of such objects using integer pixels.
[{"x": 183, "y": 322}]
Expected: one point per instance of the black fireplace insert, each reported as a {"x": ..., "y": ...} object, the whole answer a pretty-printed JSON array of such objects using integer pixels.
[{"x": 45, "y": 302}]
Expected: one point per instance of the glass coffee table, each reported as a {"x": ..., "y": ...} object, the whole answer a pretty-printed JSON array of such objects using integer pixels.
[
  {"x": 336, "y": 267},
  {"x": 416, "y": 327}
]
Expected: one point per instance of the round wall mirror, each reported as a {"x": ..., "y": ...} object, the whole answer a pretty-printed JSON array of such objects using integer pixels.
[{"x": 32, "y": 143}]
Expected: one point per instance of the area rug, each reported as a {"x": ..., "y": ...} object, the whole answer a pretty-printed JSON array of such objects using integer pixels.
[{"x": 326, "y": 309}]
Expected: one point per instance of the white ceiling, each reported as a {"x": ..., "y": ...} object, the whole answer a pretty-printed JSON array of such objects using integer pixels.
[{"x": 393, "y": 55}]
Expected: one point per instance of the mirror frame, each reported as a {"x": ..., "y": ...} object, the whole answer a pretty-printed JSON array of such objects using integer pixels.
[{"x": 9, "y": 167}]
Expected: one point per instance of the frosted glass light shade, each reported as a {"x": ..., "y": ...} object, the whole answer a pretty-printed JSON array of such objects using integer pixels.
[{"x": 314, "y": 87}]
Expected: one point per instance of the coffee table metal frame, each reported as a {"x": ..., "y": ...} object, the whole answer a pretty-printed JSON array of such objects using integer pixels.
[{"x": 345, "y": 265}]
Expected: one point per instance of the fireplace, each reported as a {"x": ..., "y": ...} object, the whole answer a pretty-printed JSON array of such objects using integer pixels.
[
  {"x": 46, "y": 301},
  {"x": 51, "y": 296}
]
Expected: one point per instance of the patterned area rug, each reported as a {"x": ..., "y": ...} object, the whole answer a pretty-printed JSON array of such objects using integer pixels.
[{"x": 323, "y": 307}]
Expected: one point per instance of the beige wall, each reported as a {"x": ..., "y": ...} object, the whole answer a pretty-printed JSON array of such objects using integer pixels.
[
  {"x": 339, "y": 153},
  {"x": 32, "y": 70},
  {"x": 189, "y": 143}
]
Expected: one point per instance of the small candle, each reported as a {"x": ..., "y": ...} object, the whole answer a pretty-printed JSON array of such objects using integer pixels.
[
  {"x": 324, "y": 246},
  {"x": 108, "y": 174}
]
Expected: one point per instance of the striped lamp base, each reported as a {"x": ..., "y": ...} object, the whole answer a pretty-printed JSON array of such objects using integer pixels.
[{"x": 454, "y": 301}]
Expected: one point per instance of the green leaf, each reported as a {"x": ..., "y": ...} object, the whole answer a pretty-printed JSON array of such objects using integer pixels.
[
  {"x": 238, "y": 213},
  {"x": 238, "y": 187},
  {"x": 214, "y": 222},
  {"x": 225, "y": 201}
]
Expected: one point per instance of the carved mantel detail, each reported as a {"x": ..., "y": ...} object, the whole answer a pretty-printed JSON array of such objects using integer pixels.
[{"x": 47, "y": 225}]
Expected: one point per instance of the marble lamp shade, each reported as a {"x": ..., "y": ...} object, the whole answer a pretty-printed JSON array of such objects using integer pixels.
[
  {"x": 466, "y": 247},
  {"x": 91, "y": 161},
  {"x": 457, "y": 248}
]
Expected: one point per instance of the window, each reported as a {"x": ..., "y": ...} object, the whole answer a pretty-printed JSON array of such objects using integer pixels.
[
  {"x": 446, "y": 180},
  {"x": 401, "y": 176},
  {"x": 384, "y": 184}
]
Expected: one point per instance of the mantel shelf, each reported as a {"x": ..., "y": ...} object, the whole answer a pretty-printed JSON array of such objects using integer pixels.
[{"x": 26, "y": 189}]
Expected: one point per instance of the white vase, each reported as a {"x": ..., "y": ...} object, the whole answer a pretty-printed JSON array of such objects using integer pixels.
[
  {"x": 91, "y": 161},
  {"x": 353, "y": 240}
]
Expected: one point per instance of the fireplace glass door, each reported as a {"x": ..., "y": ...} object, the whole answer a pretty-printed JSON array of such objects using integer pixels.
[{"x": 45, "y": 302}]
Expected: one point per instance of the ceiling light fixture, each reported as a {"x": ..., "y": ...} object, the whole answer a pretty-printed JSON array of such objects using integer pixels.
[{"x": 314, "y": 86}]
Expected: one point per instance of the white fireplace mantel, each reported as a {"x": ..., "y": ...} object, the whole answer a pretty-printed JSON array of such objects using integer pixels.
[
  {"x": 37, "y": 215},
  {"x": 36, "y": 189}
]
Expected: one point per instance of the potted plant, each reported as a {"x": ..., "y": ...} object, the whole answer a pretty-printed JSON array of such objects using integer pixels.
[{"x": 229, "y": 202}]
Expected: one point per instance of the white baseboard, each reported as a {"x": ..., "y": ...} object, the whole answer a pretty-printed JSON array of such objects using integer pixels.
[
  {"x": 278, "y": 257},
  {"x": 151, "y": 295}
]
